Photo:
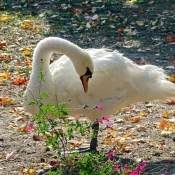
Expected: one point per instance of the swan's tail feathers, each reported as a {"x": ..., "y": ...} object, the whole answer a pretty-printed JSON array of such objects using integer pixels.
[
  {"x": 151, "y": 83},
  {"x": 169, "y": 89}
]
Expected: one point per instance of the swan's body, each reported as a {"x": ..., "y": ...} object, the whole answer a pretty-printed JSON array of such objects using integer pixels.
[{"x": 115, "y": 83}]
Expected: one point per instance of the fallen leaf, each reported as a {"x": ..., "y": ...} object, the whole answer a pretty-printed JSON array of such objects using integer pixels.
[
  {"x": 119, "y": 30},
  {"x": 23, "y": 128},
  {"x": 170, "y": 39},
  {"x": 6, "y": 101},
  {"x": 140, "y": 11},
  {"x": 165, "y": 115},
  {"x": 38, "y": 138},
  {"x": 140, "y": 128},
  {"x": 4, "y": 75},
  {"x": 21, "y": 81},
  {"x": 4, "y": 18},
  {"x": 31, "y": 171},
  {"x": 125, "y": 149},
  {"x": 134, "y": 119},
  {"x": 128, "y": 134},
  {"x": 172, "y": 78},
  {"x": 26, "y": 52},
  {"x": 143, "y": 113},
  {"x": 171, "y": 102},
  {"x": 3, "y": 44}
]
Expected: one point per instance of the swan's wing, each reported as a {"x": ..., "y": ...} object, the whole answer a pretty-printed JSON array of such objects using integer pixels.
[{"x": 109, "y": 84}]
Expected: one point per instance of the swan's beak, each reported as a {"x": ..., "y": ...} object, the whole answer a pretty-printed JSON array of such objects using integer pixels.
[{"x": 84, "y": 80}]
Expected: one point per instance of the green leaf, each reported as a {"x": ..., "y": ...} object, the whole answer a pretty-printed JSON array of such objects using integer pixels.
[{"x": 32, "y": 103}]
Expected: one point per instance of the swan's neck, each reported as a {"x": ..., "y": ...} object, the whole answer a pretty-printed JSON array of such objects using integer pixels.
[{"x": 51, "y": 45}]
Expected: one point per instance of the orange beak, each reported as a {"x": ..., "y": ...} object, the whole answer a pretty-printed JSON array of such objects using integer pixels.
[{"x": 84, "y": 80}]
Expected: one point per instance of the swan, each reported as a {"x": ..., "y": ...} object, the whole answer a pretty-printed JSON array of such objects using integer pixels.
[{"x": 92, "y": 77}]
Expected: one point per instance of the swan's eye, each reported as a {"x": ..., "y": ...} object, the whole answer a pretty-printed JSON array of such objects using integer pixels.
[{"x": 88, "y": 72}]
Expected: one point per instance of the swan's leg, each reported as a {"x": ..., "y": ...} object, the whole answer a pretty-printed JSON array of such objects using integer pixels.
[{"x": 93, "y": 143}]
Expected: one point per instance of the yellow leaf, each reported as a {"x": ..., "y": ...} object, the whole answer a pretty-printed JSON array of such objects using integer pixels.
[
  {"x": 27, "y": 52},
  {"x": 165, "y": 115},
  {"x": 4, "y": 75},
  {"x": 4, "y": 18},
  {"x": 172, "y": 78},
  {"x": 108, "y": 142},
  {"x": 31, "y": 171},
  {"x": 143, "y": 113}
]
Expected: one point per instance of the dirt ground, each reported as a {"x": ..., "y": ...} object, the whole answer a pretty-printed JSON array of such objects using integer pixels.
[{"x": 142, "y": 32}]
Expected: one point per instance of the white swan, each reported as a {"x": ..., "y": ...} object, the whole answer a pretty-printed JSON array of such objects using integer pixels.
[{"x": 116, "y": 81}]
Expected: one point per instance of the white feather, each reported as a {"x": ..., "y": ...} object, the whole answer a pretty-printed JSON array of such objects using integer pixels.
[{"x": 115, "y": 83}]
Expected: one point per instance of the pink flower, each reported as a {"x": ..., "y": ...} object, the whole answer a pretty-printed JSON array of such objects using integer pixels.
[
  {"x": 111, "y": 154},
  {"x": 165, "y": 172},
  {"x": 100, "y": 121},
  {"x": 134, "y": 173},
  {"x": 126, "y": 167},
  {"x": 99, "y": 107},
  {"x": 143, "y": 164},
  {"x": 77, "y": 118},
  {"x": 116, "y": 168},
  {"x": 106, "y": 118},
  {"x": 110, "y": 127},
  {"x": 30, "y": 128}
]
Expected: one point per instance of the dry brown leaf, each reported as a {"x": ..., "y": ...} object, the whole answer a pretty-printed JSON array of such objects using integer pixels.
[
  {"x": 23, "y": 128},
  {"x": 134, "y": 119},
  {"x": 128, "y": 134},
  {"x": 119, "y": 30},
  {"x": 170, "y": 39},
  {"x": 125, "y": 149}
]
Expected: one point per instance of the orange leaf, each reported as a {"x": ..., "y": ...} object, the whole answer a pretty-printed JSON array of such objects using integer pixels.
[
  {"x": 108, "y": 142},
  {"x": 76, "y": 11},
  {"x": 163, "y": 124},
  {"x": 119, "y": 30},
  {"x": 170, "y": 39},
  {"x": 134, "y": 119},
  {"x": 171, "y": 102},
  {"x": 20, "y": 81},
  {"x": 3, "y": 44},
  {"x": 125, "y": 149},
  {"x": 5, "y": 100},
  {"x": 94, "y": 24},
  {"x": 140, "y": 11},
  {"x": 23, "y": 128},
  {"x": 128, "y": 134}
]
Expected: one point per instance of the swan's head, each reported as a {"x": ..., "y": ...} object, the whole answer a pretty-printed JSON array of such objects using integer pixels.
[{"x": 85, "y": 68}]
